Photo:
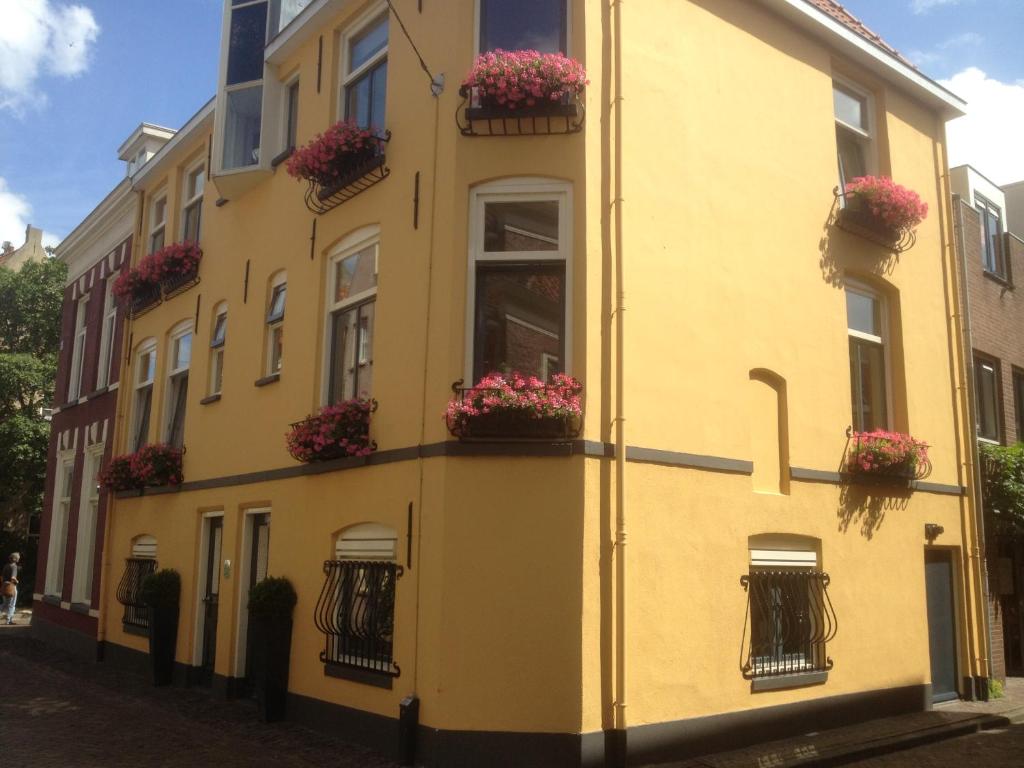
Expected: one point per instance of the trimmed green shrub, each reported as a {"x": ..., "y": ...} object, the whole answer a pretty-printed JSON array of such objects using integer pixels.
[
  {"x": 161, "y": 589},
  {"x": 995, "y": 689},
  {"x": 272, "y": 598}
]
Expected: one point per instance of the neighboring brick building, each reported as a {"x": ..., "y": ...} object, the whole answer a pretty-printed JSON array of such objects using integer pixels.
[
  {"x": 993, "y": 258},
  {"x": 88, "y": 372}
]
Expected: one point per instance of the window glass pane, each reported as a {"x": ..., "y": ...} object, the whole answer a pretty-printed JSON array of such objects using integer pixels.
[
  {"x": 850, "y": 108},
  {"x": 196, "y": 183},
  {"x": 378, "y": 92},
  {"x": 1018, "y": 401},
  {"x": 179, "y": 396},
  {"x": 289, "y": 10},
  {"x": 156, "y": 240},
  {"x": 277, "y": 301},
  {"x": 276, "y": 348},
  {"x": 242, "y": 127},
  {"x": 863, "y": 313},
  {"x": 245, "y": 46},
  {"x": 365, "y": 98},
  {"x": 867, "y": 385},
  {"x": 159, "y": 212},
  {"x": 352, "y": 353},
  {"x": 529, "y": 226},
  {"x": 143, "y": 401},
  {"x": 218, "y": 370},
  {"x": 520, "y": 319},
  {"x": 514, "y": 25},
  {"x": 147, "y": 367},
  {"x": 851, "y": 157},
  {"x": 988, "y": 400},
  {"x": 293, "y": 114},
  {"x": 182, "y": 351},
  {"x": 193, "y": 216},
  {"x": 367, "y": 43},
  {"x": 355, "y": 274},
  {"x": 220, "y": 329}
]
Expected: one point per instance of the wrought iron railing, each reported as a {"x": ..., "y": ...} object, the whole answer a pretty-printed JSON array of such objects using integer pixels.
[
  {"x": 854, "y": 217},
  {"x": 508, "y": 423},
  {"x": 543, "y": 119},
  {"x": 136, "y": 613},
  {"x": 791, "y": 621},
  {"x": 356, "y": 611},
  {"x": 360, "y": 174}
]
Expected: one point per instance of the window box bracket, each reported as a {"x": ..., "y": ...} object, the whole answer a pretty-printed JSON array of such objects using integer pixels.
[
  {"x": 852, "y": 217},
  {"x": 358, "y": 177},
  {"x": 547, "y": 119}
]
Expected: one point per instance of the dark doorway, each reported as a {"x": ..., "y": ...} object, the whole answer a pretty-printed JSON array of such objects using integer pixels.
[
  {"x": 259, "y": 549},
  {"x": 939, "y": 585},
  {"x": 214, "y": 535}
]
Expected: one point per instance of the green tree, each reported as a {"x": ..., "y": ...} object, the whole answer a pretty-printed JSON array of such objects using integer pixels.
[
  {"x": 30, "y": 307},
  {"x": 1003, "y": 484}
]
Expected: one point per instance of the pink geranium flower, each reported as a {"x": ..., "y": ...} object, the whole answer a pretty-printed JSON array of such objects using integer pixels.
[
  {"x": 516, "y": 79},
  {"x": 896, "y": 206},
  {"x": 526, "y": 396},
  {"x": 329, "y": 155},
  {"x": 336, "y": 431},
  {"x": 883, "y": 452}
]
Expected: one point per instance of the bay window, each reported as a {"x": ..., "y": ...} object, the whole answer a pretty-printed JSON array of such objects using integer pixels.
[
  {"x": 866, "y": 328},
  {"x": 518, "y": 281},
  {"x": 351, "y": 308}
]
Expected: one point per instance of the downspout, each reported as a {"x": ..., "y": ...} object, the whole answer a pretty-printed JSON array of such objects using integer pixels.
[
  {"x": 978, "y": 551},
  {"x": 116, "y": 433},
  {"x": 620, "y": 408}
]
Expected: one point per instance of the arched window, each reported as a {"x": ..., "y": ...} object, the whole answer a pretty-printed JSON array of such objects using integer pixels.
[
  {"x": 275, "y": 323},
  {"x": 143, "y": 375},
  {"x": 356, "y": 609},
  {"x": 218, "y": 337},
  {"x": 179, "y": 361}
]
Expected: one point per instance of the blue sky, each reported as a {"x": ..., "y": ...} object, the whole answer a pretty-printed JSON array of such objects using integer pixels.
[{"x": 77, "y": 76}]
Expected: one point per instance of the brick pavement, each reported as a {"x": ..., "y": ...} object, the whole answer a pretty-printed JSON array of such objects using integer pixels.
[
  {"x": 995, "y": 748},
  {"x": 56, "y": 710}
]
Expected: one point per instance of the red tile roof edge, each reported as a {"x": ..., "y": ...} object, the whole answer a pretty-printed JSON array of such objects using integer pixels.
[{"x": 851, "y": 22}]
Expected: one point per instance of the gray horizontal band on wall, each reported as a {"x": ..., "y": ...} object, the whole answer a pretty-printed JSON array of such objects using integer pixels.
[
  {"x": 693, "y": 460},
  {"x": 835, "y": 478}
]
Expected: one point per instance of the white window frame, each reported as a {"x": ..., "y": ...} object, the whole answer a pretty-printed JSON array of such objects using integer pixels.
[
  {"x": 147, "y": 346},
  {"x": 270, "y": 326},
  {"x": 867, "y": 138},
  {"x": 157, "y": 226},
  {"x": 221, "y": 111},
  {"x": 180, "y": 331},
  {"x": 346, "y": 78},
  {"x": 885, "y": 340},
  {"x": 88, "y": 516},
  {"x": 983, "y": 360},
  {"x": 524, "y": 189},
  {"x": 217, "y": 349},
  {"x": 349, "y": 246},
  {"x": 60, "y": 520},
  {"x": 293, "y": 82},
  {"x": 195, "y": 199},
  {"x": 107, "y": 333},
  {"x": 78, "y": 348},
  {"x": 477, "y": 18}
]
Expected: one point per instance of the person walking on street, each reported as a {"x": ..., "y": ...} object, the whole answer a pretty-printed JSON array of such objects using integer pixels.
[{"x": 10, "y": 587}]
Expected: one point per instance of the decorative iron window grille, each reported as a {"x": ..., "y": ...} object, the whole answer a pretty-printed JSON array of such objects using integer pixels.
[
  {"x": 172, "y": 286},
  {"x": 144, "y": 301},
  {"x": 136, "y": 613},
  {"x": 360, "y": 174},
  {"x": 356, "y": 611},
  {"x": 853, "y": 216},
  {"x": 791, "y": 621},
  {"x": 545, "y": 119}
]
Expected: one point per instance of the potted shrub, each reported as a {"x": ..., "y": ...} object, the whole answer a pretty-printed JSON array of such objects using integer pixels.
[
  {"x": 336, "y": 431},
  {"x": 887, "y": 454},
  {"x": 155, "y": 465},
  {"x": 271, "y": 602},
  {"x": 118, "y": 475},
  {"x": 136, "y": 290},
  {"x": 175, "y": 265},
  {"x": 161, "y": 593},
  {"x": 337, "y": 157},
  {"x": 523, "y": 82},
  {"x": 516, "y": 406},
  {"x": 879, "y": 206}
]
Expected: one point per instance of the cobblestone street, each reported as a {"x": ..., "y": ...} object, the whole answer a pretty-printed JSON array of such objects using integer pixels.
[
  {"x": 58, "y": 711},
  {"x": 996, "y": 748}
]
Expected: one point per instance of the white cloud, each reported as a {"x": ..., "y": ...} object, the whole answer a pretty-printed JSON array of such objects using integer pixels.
[
  {"x": 989, "y": 137},
  {"x": 923, "y": 6},
  {"x": 15, "y": 215},
  {"x": 940, "y": 52},
  {"x": 40, "y": 37}
]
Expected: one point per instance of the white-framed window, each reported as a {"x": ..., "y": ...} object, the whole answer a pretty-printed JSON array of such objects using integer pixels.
[
  {"x": 514, "y": 25},
  {"x": 58, "y": 547},
  {"x": 291, "y": 114},
  {"x": 78, "y": 348},
  {"x": 218, "y": 337},
  {"x": 351, "y": 305},
  {"x": 854, "y": 118},
  {"x": 157, "y": 223},
  {"x": 520, "y": 277},
  {"x": 867, "y": 328},
  {"x": 275, "y": 323},
  {"x": 364, "y": 76},
  {"x": 88, "y": 512},
  {"x": 107, "y": 334},
  {"x": 366, "y": 541},
  {"x": 988, "y": 382},
  {"x": 143, "y": 376},
  {"x": 243, "y": 85},
  {"x": 179, "y": 357},
  {"x": 992, "y": 256},
  {"x": 192, "y": 212}
]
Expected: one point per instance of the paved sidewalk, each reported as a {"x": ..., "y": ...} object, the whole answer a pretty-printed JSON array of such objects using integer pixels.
[
  {"x": 899, "y": 738},
  {"x": 56, "y": 710}
]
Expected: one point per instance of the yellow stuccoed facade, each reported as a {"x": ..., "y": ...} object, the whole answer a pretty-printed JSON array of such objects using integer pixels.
[{"x": 699, "y": 195}]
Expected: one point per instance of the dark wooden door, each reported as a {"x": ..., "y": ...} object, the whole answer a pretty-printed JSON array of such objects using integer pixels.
[
  {"x": 939, "y": 585},
  {"x": 259, "y": 549},
  {"x": 214, "y": 537}
]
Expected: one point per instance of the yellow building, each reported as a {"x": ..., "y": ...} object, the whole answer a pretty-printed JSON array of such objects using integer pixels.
[{"x": 678, "y": 252}]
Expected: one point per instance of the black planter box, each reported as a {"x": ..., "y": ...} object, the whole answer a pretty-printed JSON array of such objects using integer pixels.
[
  {"x": 501, "y": 111},
  {"x": 270, "y": 648},
  {"x": 351, "y": 171},
  {"x": 514, "y": 425},
  {"x": 174, "y": 284},
  {"x": 142, "y": 301},
  {"x": 163, "y": 638}
]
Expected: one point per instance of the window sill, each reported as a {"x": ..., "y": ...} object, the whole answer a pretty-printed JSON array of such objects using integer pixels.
[
  {"x": 52, "y": 600},
  {"x": 210, "y": 399},
  {"x": 82, "y": 608},
  {"x": 281, "y": 157},
  {"x": 795, "y": 680},
  {"x": 356, "y": 675},
  {"x": 271, "y": 379},
  {"x": 96, "y": 393},
  {"x": 988, "y": 441},
  {"x": 997, "y": 278},
  {"x": 131, "y": 629}
]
